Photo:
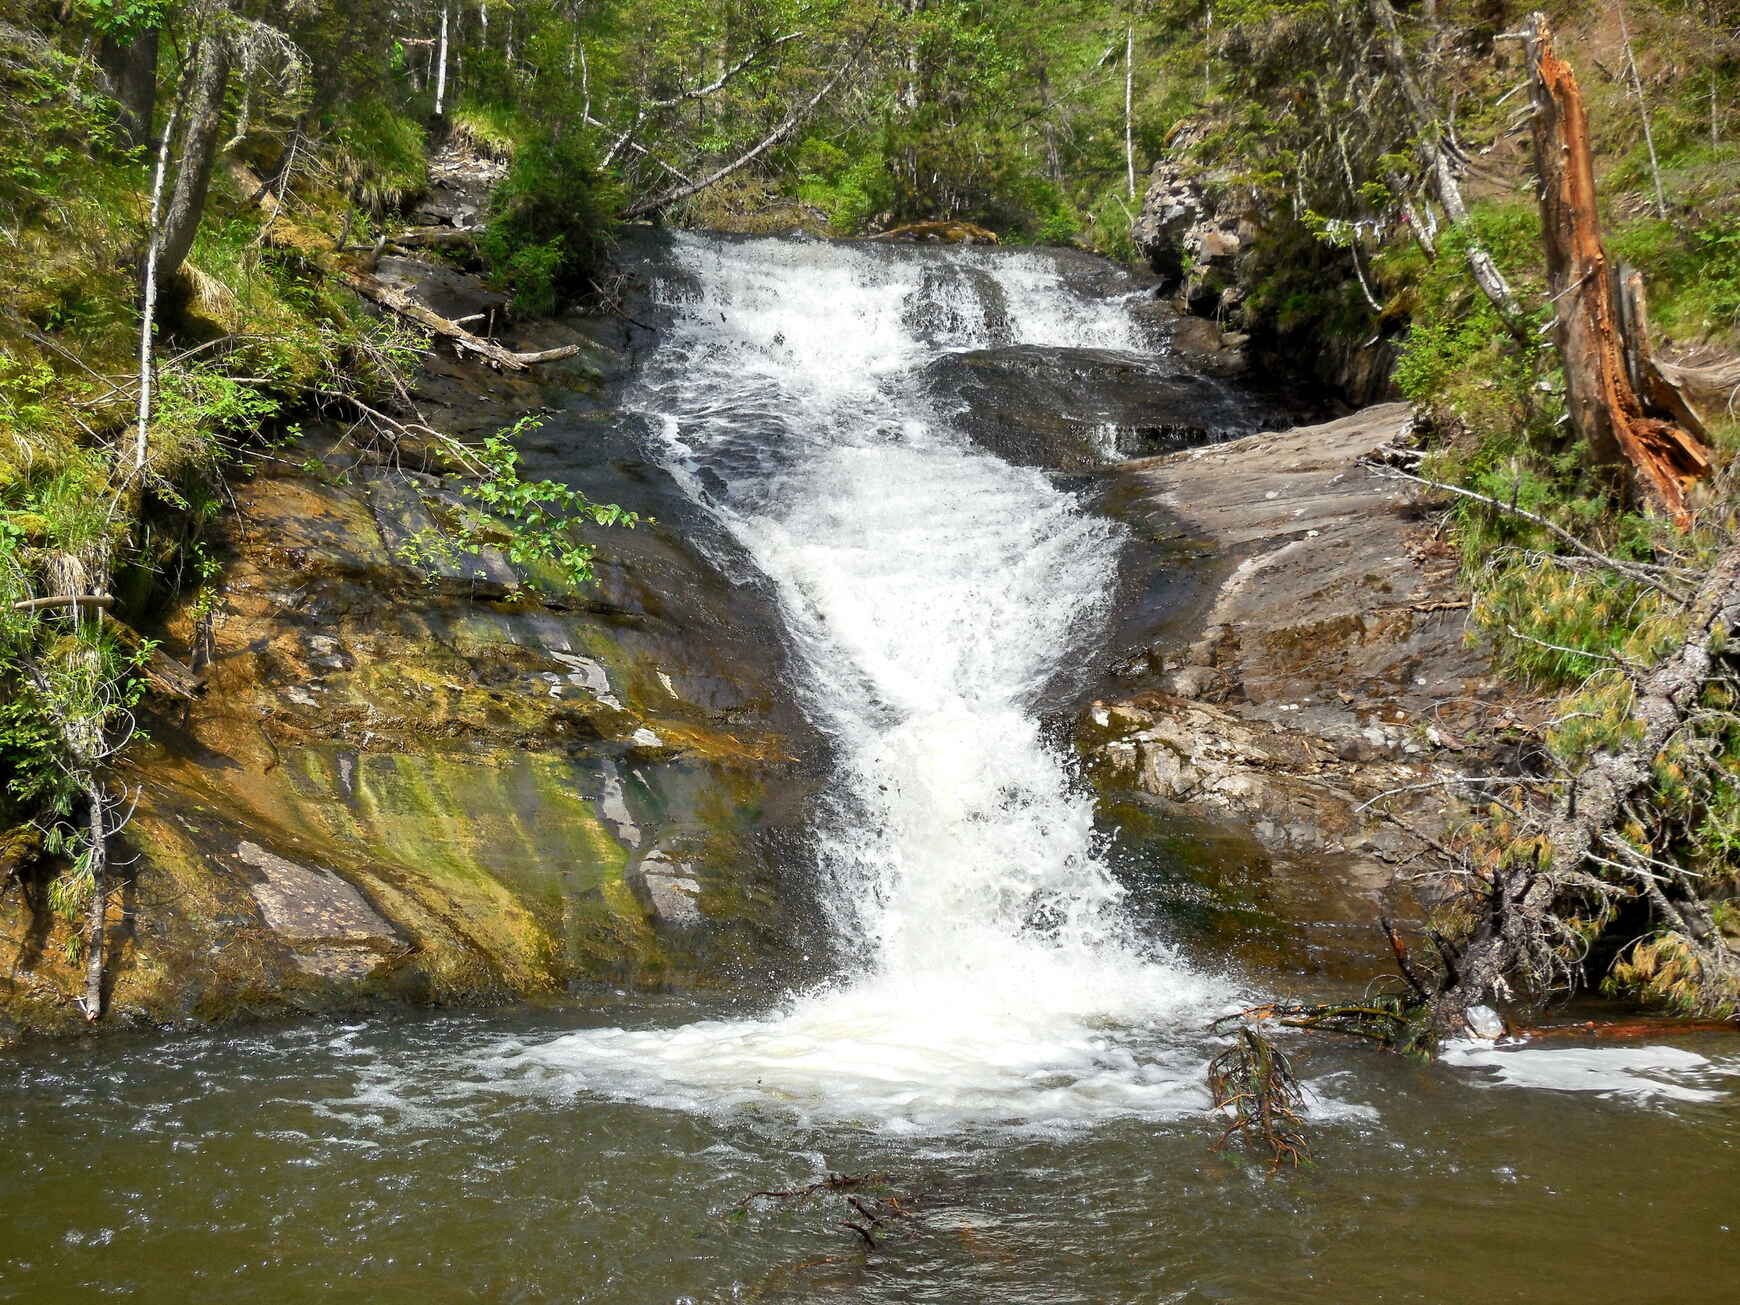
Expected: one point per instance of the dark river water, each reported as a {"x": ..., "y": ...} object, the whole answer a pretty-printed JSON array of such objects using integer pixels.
[{"x": 442, "y": 1159}]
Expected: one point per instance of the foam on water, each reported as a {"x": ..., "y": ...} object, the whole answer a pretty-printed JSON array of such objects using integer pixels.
[
  {"x": 1638, "y": 1073},
  {"x": 932, "y": 591}
]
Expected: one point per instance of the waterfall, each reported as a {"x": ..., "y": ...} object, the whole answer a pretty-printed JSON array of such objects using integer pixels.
[{"x": 932, "y": 592}]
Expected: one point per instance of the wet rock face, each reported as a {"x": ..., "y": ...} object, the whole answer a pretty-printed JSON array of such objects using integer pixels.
[
  {"x": 1311, "y": 654},
  {"x": 431, "y": 776},
  {"x": 1077, "y": 409}
]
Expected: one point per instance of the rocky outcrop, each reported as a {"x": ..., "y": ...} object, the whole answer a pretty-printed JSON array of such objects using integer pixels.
[
  {"x": 1206, "y": 238},
  {"x": 1312, "y": 653},
  {"x": 435, "y": 777},
  {"x": 1193, "y": 232}
]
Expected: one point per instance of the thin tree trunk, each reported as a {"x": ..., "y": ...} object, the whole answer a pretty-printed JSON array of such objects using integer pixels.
[
  {"x": 1441, "y": 168},
  {"x": 655, "y": 202},
  {"x": 1129, "y": 93},
  {"x": 1605, "y": 407},
  {"x": 585, "y": 82},
  {"x": 211, "y": 79},
  {"x": 148, "y": 299},
  {"x": 1643, "y": 112},
  {"x": 97, "y": 915},
  {"x": 441, "y": 68}
]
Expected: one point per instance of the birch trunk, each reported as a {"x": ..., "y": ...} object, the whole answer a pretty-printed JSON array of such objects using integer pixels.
[
  {"x": 441, "y": 67},
  {"x": 1129, "y": 89}
]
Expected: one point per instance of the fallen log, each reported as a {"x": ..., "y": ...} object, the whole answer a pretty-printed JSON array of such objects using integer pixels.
[
  {"x": 166, "y": 675},
  {"x": 373, "y": 288},
  {"x": 427, "y": 237},
  {"x": 949, "y": 233},
  {"x": 1518, "y": 923},
  {"x": 1642, "y": 430}
]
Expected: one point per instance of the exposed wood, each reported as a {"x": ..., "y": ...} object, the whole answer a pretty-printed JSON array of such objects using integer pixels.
[
  {"x": 1653, "y": 385},
  {"x": 372, "y": 287},
  {"x": 1716, "y": 382},
  {"x": 1664, "y": 457},
  {"x": 948, "y": 232},
  {"x": 64, "y": 600},
  {"x": 166, "y": 675},
  {"x": 433, "y": 237},
  {"x": 441, "y": 69},
  {"x": 1129, "y": 117}
]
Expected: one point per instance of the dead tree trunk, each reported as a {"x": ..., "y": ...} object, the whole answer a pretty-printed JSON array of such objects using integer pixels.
[
  {"x": 1518, "y": 927},
  {"x": 1663, "y": 455}
]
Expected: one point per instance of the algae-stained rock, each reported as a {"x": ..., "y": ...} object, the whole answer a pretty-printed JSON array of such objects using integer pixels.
[{"x": 451, "y": 781}]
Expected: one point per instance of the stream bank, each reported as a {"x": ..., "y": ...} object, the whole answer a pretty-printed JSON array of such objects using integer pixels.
[
  {"x": 463, "y": 785},
  {"x": 1312, "y": 654},
  {"x": 475, "y": 785}
]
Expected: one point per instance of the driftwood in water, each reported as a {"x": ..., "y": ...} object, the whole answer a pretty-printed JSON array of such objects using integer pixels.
[
  {"x": 1253, "y": 1081},
  {"x": 1624, "y": 424}
]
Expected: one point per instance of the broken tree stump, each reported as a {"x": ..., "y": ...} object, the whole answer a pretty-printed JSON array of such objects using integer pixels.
[{"x": 1652, "y": 439}]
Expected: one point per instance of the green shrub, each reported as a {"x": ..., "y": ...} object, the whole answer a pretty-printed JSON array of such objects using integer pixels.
[
  {"x": 850, "y": 190},
  {"x": 551, "y": 222}
]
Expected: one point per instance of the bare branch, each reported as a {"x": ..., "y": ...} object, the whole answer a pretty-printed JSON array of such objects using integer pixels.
[
  {"x": 719, "y": 82},
  {"x": 653, "y": 203}
]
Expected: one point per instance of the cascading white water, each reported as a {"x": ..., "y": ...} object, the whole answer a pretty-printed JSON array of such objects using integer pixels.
[{"x": 932, "y": 590}]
